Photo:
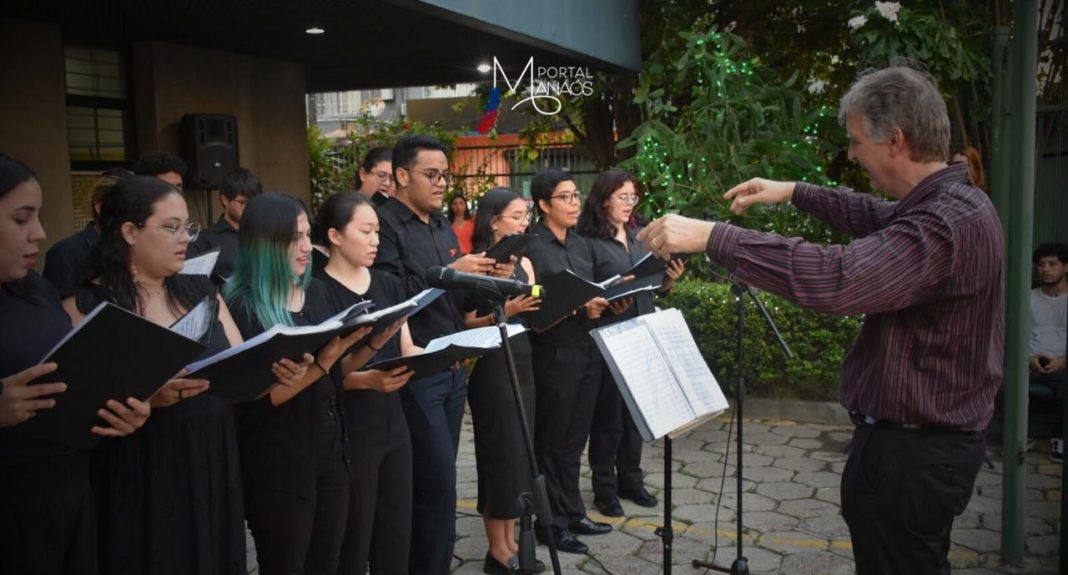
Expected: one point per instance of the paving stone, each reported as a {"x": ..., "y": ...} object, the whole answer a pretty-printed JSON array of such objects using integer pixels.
[
  {"x": 799, "y": 463},
  {"x": 1038, "y": 481},
  {"x": 767, "y": 474},
  {"x": 837, "y": 467},
  {"x": 964, "y": 557},
  {"x": 678, "y": 480},
  {"x": 968, "y": 520},
  {"x": 615, "y": 542},
  {"x": 829, "y": 456},
  {"x": 766, "y": 438},
  {"x": 717, "y": 485},
  {"x": 689, "y": 497},
  {"x": 803, "y": 508},
  {"x": 780, "y": 451},
  {"x": 983, "y": 504},
  {"x": 830, "y": 525},
  {"x": 757, "y": 460},
  {"x": 705, "y": 513},
  {"x": 1043, "y": 545},
  {"x": 1050, "y": 469},
  {"x": 830, "y": 494},
  {"x": 789, "y": 542},
  {"x": 840, "y": 436},
  {"x": 803, "y": 431},
  {"x": 750, "y": 502},
  {"x": 818, "y": 478},
  {"x": 709, "y": 435},
  {"x": 752, "y": 428},
  {"x": 816, "y": 564},
  {"x": 805, "y": 443},
  {"x": 764, "y": 521},
  {"x": 620, "y": 565},
  {"x": 981, "y": 540},
  {"x": 784, "y": 491},
  {"x": 759, "y": 560}
]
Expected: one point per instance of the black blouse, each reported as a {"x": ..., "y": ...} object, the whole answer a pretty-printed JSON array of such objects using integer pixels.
[
  {"x": 31, "y": 323},
  {"x": 613, "y": 258},
  {"x": 548, "y": 256},
  {"x": 279, "y": 443}
]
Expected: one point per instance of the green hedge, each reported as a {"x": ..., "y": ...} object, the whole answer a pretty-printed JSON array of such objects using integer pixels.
[{"x": 819, "y": 341}]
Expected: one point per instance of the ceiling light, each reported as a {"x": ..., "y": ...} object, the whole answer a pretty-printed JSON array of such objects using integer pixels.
[
  {"x": 484, "y": 68},
  {"x": 315, "y": 30}
]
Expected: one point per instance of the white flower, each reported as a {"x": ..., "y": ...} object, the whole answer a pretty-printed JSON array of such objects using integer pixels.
[
  {"x": 816, "y": 86},
  {"x": 857, "y": 21},
  {"x": 888, "y": 10},
  {"x": 835, "y": 59}
]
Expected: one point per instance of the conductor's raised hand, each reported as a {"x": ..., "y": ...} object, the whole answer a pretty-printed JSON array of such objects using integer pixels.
[
  {"x": 20, "y": 401},
  {"x": 474, "y": 264},
  {"x": 385, "y": 381},
  {"x": 289, "y": 373},
  {"x": 177, "y": 389},
  {"x": 759, "y": 191},
  {"x": 520, "y": 304},
  {"x": 122, "y": 419}
]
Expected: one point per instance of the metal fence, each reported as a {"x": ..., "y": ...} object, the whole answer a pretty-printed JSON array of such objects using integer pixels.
[{"x": 479, "y": 168}]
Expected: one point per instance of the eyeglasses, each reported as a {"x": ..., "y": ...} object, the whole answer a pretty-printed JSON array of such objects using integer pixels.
[
  {"x": 383, "y": 176},
  {"x": 519, "y": 219},
  {"x": 435, "y": 177},
  {"x": 628, "y": 199},
  {"x": 192, "y": 229},
  {"x": 568, "y": 197}
]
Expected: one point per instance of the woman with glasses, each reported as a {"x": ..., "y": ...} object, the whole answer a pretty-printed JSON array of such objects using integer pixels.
[
  {"x": 566, "y": 393},
  {"x": 375, "y": 178},
  {"x": 168, "y": 498},
  {"x": 615, "y": 450},
  {"x": 293, "y": 462},
  {"x": 500, "y": 454},
  {"x": 462, "y": 222},
  {"x": 47, "y": 510}
]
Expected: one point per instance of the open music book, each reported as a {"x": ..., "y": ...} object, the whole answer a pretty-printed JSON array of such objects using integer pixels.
[
  {"x": 661, "y": 375},
  {"x": 562, "y": 293},
  {"x": 112, "y": 354},
  {"x": 442, "y": 352},
  {"x": 201, "y": 265}
]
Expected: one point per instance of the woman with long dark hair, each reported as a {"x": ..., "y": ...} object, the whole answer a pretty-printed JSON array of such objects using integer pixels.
[
  {"x": 500, "y": 456},
  {"x": 293, "y": 462},
  {"x": 615, "y": 451},
  {"x": 566, "y": 392},
  {"x": 378, "y": 530},
  {"x": 156, "y": 491},
  {"x": 47, "y": 512},
  {"x": 462, "y": 222}
]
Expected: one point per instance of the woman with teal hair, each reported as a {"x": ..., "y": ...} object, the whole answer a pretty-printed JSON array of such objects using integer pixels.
[{"x": 293, "y": 463}]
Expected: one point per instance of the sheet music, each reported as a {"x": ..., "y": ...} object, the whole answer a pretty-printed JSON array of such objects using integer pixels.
[
  {"x": 649, "y": 378},
  {"x": 198, "y": 321},
  {"x": 480, "y": 337},
  {"x": 201, "y": 265},
  {"x": 684, "y": 358}
]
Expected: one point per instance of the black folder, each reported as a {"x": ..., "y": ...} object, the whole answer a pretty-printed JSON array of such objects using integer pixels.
[
  {"x": 626, "y": 289},
  {"x": 112, "y": 354},
  {"x": 510, "y": 245},
  {"x": 447, "y": 350},
  {"x": 562, "y": 293}
]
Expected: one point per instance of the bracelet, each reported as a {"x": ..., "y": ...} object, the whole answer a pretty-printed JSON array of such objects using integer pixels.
[
  {"x": 320, "y": 366},
  {"x": 373, "y": 347}
]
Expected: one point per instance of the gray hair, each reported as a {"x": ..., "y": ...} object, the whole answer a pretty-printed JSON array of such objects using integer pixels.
[{"x": 901, "y": 97}]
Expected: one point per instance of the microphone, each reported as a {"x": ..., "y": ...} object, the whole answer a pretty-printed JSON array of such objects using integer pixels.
[{"x": 448, "y": 278}]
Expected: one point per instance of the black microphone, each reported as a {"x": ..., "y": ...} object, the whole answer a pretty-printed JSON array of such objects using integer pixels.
[{"x": 448, "y": 278}]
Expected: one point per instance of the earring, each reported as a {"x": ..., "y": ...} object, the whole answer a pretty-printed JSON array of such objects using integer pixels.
[{"x": 133, "y": 270}]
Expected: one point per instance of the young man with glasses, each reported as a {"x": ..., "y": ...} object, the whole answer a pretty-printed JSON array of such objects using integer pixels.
[
  {"x": 375, "y": 176},
  {"x": 415, "y": 235},
  {"x": 237, "y": 189}
]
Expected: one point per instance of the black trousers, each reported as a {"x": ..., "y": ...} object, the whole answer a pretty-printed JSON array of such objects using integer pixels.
[
  {"x": 615, "y": 453},
  {"x": 379, "y": 525},
  {"x": 47, "y": 517},
  {"x": 434, "y": 407},
  {"x": 299, "y": 535},
  {"x": 567, "y": 382},
  {"x": 901, "y": 490}
]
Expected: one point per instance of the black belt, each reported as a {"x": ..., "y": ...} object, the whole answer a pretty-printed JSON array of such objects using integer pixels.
[{"x": 860, "y": 419}]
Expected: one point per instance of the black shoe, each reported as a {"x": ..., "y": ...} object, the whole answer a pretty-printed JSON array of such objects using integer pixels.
[
  {"x": 609, "y": 507},
  {"x": 539, "y": 567},
  {"x": 494, "y": 567},
  {"x": 641, "y": 497},
  {"x": 587, "y": 526},
  {"x": 565, "y": 540}
]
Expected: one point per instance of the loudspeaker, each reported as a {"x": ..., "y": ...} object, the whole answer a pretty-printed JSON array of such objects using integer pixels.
[{"x": 209, "y": 147}]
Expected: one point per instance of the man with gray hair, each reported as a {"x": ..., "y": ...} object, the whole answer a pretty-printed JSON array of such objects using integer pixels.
[{"x": 926, "y": 270}]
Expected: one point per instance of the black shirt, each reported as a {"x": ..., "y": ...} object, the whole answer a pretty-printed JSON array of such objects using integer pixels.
[
  {"x": 65, "y": 261},
  {"x": 281, "y": 444},
  {"x": 407, "y": 248},
  {"x": 31, "y": 323},
  {"x": 612, "y": 258},
  {"x": 378, "y": 198},
  {"x": 219, "y": 236},
  {"x": 549, "y": 256},
  {"x": 369, "y": 408}
]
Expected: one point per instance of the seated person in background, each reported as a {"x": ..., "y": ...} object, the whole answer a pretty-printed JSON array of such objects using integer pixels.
[
  {"x": 237, "y": 189},
  {"x": 65, "y": 260},
  {"x": 1049, "y": 310}
]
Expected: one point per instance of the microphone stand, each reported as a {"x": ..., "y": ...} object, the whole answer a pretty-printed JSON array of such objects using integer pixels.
[
  {"x": 740, "y": 566},
  {"x": 538, "y": 500}
]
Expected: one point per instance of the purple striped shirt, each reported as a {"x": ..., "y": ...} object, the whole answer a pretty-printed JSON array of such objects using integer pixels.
[{"x": 927, "y": 273}]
